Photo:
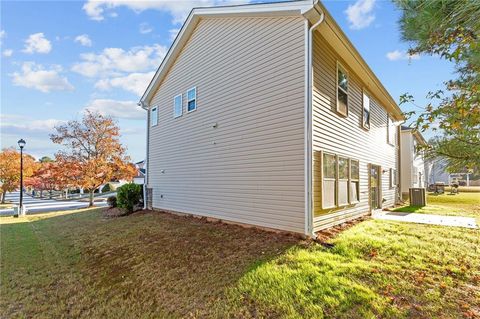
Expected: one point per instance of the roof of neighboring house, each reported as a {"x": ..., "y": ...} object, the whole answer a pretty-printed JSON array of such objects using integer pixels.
[
  {"x": 418, "y": 136},
  {"x": 140, "y": 173},
  {"x": 309, "y": 9}
]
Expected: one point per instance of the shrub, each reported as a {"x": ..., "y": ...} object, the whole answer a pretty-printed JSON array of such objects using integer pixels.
[
  {"x": 112, "y": 201},
  {"x": 106, "y": 188},
  {"x": 128, "y": 196}
]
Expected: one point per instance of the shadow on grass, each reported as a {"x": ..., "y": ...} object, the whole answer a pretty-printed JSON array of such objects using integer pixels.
[
  {"x": 156, "y": 264},
  {"x": 408, "y": 209},
  {"x": 165, "y": 266}
]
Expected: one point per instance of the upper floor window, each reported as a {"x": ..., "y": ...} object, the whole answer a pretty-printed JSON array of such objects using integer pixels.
[
  {"x": 154, "y": 116},
  {"x": 366, "y": 111},
  {"x": 390, "y": 131},
  {"x": 177, "y": 106},
  {"x": 192, "y": 99},
  {"x": 342, "y": 90}
]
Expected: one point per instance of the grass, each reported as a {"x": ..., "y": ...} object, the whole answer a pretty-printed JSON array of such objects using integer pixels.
[
  {"x": 462, "y": 204},
  {"x": 469, "y": 189},
  {"x": 154, "y": 265}
]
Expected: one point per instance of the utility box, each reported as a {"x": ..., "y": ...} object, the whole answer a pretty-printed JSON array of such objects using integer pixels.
[{"x": 418, "y": 197}]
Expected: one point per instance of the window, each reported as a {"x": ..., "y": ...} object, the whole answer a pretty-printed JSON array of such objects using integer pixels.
[
  {"x": 329, "y": 180},
  {"x": 192, "y": 99},
  {"x": 366, "y": 111},
  {"x": 342, "y": 90},
  {"x": 343, "y": 181},
  {"x": 354, "y": 181},
  {"x": 154, "y": 116},
  {"x": 393, "y": 178},
  {"x": 177, "y": 106},
  {"x": 390, "y": 131}
]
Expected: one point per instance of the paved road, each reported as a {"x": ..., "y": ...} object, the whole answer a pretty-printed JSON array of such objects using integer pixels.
[{"x": 36, "y": 205}]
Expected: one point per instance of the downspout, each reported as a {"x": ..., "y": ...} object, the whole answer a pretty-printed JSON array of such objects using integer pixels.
[
  {"x": 144, "y": 106},
  {"x": 309, "y": 218}
]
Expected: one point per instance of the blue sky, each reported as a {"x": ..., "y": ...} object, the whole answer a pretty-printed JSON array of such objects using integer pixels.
[{"x": 59, "y": 58}]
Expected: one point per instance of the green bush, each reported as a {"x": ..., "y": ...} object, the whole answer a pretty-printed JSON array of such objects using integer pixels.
[
  {"x": 128, "y": 196},
  {"x": 106, "y": 188},
  {"x": 112, "y": 201}
]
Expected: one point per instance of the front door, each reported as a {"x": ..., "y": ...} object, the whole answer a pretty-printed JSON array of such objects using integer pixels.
[{"x": 375, "y": 187}]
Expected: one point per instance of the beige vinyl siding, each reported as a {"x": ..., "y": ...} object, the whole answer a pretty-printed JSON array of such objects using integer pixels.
[
  {"x": 345, "y": 136},
  {"x": 250, "y": 81}
]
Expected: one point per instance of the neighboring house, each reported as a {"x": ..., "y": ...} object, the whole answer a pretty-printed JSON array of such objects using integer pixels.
[
  {"x": 413, "y": 167},
  {"x": 436, "y": 169},
  {"x": 267, "y": 115},
  {"x": 139, "y": 178}
]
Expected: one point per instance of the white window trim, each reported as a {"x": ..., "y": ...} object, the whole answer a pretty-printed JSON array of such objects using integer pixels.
[
  {"x": 390, "y": 120},
  {"x": 181, "y": 106},
  {"x": 365, "y": 93},
  {"x": 153, "y": 124},
  {"x": 188, "y": 100},
  {"x": 340, "y": 66},
  {"x": 336, "y": 179},
  {"x": 337, "y": 184},
  {"x": 322, "y": 154},
  {"x": 352, "y": 180},
  {"x": 392, "y": 177}
]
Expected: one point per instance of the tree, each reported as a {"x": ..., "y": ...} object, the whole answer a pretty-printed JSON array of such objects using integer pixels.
[
  {"x": 45, "y": 159},
  {"x": 450, "y": 29},
  {"x": 10, "y": 170},
  {"x": 44, "y": 178},
  {"x": 93, "y": 146},
  {"x": 67, "y": 174}
]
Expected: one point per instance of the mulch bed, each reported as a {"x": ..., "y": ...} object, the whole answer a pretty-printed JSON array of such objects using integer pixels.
[
  {"x": 114, "y": 212},
  {"x": 324, "y": 235}
]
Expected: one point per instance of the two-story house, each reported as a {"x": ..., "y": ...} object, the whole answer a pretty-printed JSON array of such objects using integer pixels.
[
  {"x": 266, "y": 114},
  {"x": 412, "y": 164}
]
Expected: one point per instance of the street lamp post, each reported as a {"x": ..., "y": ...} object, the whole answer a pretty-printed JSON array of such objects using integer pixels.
[{"x": 21, "y": 143}]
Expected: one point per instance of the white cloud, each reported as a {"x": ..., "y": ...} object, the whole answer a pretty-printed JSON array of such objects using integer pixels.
[
  {"x": 13, "y": 124},
  {"x": 35, "y": 76},
  {"x": 360, "y": 14},
  {"x": 179, "y": 10},
  {"x": 117, "y": 109},
  {"x": 7, "y": 53},
  {"x": 3, "y": 34},
  {"x": 134, "y": 82},
  {"x": 145, "y": 28},
  {"x": 401, "y": 55},
  {"x": 84, "y": 40},
  {"x": 37, "y": 43},
  {"x": 114, "y": 61}
]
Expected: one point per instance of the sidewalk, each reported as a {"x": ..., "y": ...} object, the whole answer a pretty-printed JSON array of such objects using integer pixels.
[{"x": 453, "y": 221}]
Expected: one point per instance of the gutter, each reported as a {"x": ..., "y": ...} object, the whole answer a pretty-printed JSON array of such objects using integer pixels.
[
  {"x": 309, "y": 107},
  {"x": 144, "y": 106}
]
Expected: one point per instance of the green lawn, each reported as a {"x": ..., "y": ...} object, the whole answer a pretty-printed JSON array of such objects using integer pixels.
[
  {"x": 154, "y": 265},
  {"x": 462, "y": 204}
]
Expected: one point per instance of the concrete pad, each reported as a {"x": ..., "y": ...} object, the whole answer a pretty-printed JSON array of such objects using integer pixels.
[{"x": 453, "y": 221}]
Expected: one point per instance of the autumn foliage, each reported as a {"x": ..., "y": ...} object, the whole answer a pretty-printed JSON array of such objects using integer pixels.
[
  {"x": 93, "y": 153},
  {"x": 10, "y": 170}
]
